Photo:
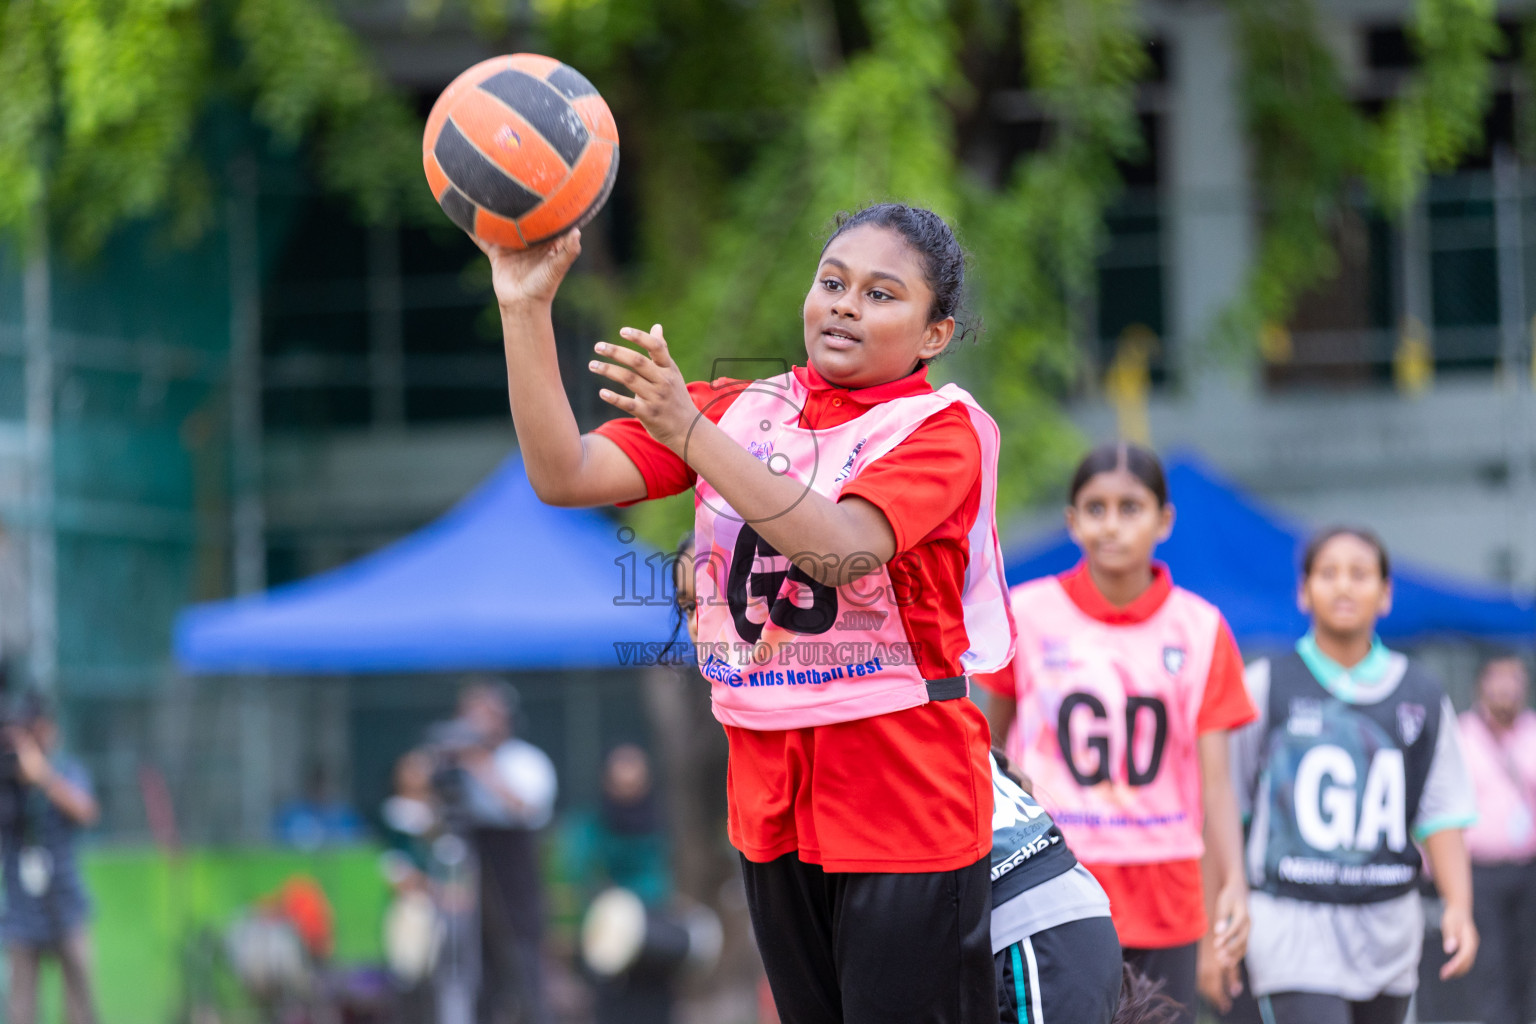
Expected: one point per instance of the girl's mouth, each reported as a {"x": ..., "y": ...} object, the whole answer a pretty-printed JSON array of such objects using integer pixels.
[{"x": 839, "y": 339}]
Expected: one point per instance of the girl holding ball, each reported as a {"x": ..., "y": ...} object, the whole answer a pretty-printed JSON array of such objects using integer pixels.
[{"x": 847, "y": 485}]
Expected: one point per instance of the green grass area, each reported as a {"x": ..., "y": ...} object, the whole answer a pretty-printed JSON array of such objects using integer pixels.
[{"x": 151, "y": 910}]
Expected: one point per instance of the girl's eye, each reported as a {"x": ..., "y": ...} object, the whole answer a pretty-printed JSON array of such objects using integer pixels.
[
  {"x": 1129, "y": 509},
  {"x": 686, "y": 607},
  {"x": 879, "y": 295},
  {"x": 831, "y": 284}
]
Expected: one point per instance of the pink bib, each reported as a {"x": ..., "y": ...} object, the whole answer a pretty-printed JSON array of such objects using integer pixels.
[
  {"x": 783, "y": 651},
  {"x": 1106, "y": 725}
]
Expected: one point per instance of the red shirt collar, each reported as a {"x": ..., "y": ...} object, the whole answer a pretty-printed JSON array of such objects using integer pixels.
[
  {"x": 915, "y": 383},
  {"x": 1079, "y": 585}
]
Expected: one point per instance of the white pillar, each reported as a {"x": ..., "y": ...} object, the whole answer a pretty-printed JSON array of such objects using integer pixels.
[
  {"x": 245, "y": 383},
  {"x": 1211, "y": 239},
  {"x": 1516, "y": 378},
  {"x": 42, "y": 542}
]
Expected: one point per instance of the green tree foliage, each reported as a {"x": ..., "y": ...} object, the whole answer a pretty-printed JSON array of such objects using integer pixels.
[
  {"x": 746, "y": 127},
  {"x": 107, "y": 103},
  {"x": 1312, "y": 145}
]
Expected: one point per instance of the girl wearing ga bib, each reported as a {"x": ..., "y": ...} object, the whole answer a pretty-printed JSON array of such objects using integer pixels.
[
  {"x": 848, "y": 582},
  {"x": 1117, "y": 706},
  {"x": 1351, "y": 769}
]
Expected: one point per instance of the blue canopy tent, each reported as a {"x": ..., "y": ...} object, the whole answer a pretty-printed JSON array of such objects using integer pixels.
[
  {"x": 501, "y": 581},
  {"x": 1244, "y": 559}
]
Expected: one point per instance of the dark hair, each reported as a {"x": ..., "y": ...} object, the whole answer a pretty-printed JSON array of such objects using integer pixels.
[
  {"x": 1140, "y": 462},
  {"x": 679, "y": 558},
  {"x": 1143, "y": 1001},
  {"x": 1315, "y": 546},
  {"x": 933, "y": 239},
  {"x": 486, "y": 686}
]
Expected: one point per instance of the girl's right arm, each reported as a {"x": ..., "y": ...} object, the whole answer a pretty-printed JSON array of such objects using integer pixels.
[{"x": 564, "y": 466}]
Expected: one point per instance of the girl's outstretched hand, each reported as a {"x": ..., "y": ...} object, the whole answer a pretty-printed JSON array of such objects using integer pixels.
[
  {"x": 660, "y": 395},
  {"x": 531, "y": 275}
]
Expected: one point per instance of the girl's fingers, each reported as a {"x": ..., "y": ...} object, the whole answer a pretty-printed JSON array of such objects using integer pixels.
[
  {"x": 1456, "y": 966},
  {"x": 618, "y": 401},
  {"x": 661, "y": 353},
  {"x": 654, "y": 343},
  {"x": 615, "y": 373},
  {"x": 636, "y": 361},
  {"x": 568, "y": 246}
]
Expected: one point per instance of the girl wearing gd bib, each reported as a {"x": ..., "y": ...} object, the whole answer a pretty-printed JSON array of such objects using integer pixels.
[
  {"x": 1354, "y": 753},
  {"x": 1117, "y": 705},
  {"x": 858, "y": 782}
]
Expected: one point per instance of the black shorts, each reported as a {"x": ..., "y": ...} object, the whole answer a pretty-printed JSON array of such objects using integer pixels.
[
  {"x": 874, "y": 948},
  {"x": 1069, "y": 974},
  {"x": 1316, "y": 1008}
]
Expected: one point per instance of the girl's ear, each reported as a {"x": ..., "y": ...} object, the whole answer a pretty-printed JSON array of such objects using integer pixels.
[
  {"x": 1070, "y": 514},
  {"x": 936, "y": 337},
  {"x": 1302, "y": 601},
  {"x": 1384, "y": 606},
  {"x": 1165, "y": 518}
]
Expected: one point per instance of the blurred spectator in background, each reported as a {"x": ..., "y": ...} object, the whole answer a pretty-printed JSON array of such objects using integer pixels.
[
  {"x": 411, "y": 823},
  {"x": 510, "y": 794},
  {"x": 44, "y": 802},
  {"x": 1499, "y": 738},
  {"x": 625, "y": 844},
  {"x": 318, "y": 818}
]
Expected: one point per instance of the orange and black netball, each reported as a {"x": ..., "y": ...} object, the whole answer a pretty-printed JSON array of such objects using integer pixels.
[{"x": 520, "y": 149}]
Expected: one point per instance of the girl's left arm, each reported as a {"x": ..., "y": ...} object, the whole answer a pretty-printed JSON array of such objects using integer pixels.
[
  {"x": 834, "y": 543},
  {"x": 1225, "y": 881},
  {"x": 1452, "y": 871}
]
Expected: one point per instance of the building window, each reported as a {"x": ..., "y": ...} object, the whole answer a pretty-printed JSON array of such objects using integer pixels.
[{"x": 1431, "y": 277}]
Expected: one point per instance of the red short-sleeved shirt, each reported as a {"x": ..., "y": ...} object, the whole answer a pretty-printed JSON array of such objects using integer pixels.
[
  {"x": 908, "y": 791},
  {"x": 1156, "y": 906}
]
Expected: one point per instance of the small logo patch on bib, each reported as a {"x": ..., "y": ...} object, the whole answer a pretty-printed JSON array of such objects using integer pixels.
[
  {"x": 1306, "y": 718},
  {"x": 1055, "y": 653},
  {"x": 1410, "y": 721}
]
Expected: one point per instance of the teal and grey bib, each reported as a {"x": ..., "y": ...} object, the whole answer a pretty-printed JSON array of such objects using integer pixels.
[{"x": 1340, "y": 786}]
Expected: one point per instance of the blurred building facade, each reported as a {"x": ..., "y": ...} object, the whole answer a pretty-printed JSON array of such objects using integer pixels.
[
  {"x": 1400, "y": 394},
  {"x": 178, "y": 426}
]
